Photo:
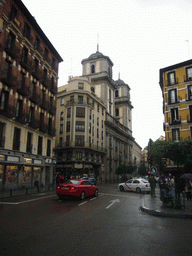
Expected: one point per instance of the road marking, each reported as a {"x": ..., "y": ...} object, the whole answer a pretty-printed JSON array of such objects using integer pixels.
[
  {"x": 27, "y": 201},
  {"x": 83, "y": 203},
  {"x": 112, "y": 203},
  {"x": 93, "y": 198}
]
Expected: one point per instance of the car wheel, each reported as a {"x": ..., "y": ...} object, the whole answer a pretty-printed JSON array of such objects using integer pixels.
[
  {"x": 96, "y": 193},
  {"x": 60, "y": 196},
  {"x": 138, "y": 190},
  {"x": 82, "y": 196},
  {"x": 121, "y": 188}
]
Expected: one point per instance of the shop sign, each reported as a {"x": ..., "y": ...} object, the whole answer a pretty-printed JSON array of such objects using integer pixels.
[
  {"x": 37, "y": 161},
  {"x": 13, "y": 159},
  {"x": 2, "y": 158},
  {"x": 78, "y": 166},
  {"x": 48, "y": 161},
  {"x": 88, "y": 166},
  {"x": 28, "y": 160}
]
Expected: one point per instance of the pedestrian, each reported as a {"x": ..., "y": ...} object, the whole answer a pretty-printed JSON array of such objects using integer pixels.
[
  {"x": 188, "y": 188},
  {"x": 172, "y": 184},
  {"x": 152, "y": 182}
]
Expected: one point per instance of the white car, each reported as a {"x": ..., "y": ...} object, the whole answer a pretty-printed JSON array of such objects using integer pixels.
[{"x": 138, "y": 185}]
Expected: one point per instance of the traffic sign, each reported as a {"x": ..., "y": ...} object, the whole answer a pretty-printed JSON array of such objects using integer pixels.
[{"x": 153, "y": 170}]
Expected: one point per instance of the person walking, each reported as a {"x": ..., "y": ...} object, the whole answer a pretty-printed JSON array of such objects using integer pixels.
[
  {"x": 188, "y": 188},
  {"x": 172, "y": 184},
  {"x": 152, "y": 182}
]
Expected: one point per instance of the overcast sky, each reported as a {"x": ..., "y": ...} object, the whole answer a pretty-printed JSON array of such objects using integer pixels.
[{"x": 139, "y": 36}]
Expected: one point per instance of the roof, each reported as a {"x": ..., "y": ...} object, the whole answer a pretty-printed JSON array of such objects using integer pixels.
[
  {"x": 38, "y": 29},
  {"x": 97, "y": 55}
]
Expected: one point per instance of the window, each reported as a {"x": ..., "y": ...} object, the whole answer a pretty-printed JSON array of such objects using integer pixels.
[
  {"x": 40, "y": 145},
  {"x": 93, "y": 89},
  {"x": 80, "y": 86},
  {"x": 62, "y": 101},
  {"x": 19, "y": 108},
  {"x": 90, "y": 112},
  {"x": 14, "y": 14},
  {"x": 2, "y": 131},
  {"x": 48, "y": 147},
  {"x": 67, "y": 140},
  {"x": 72, "y": 99},
  {"x": 46, "y": 53},
  {"x": 21, "y": 80},
  {"x": 189, "y": 73},
  {"x": 190, "y": 114},
  {"x": 4, "y": 100},
  {"x": 31, "y": 114},
  {"x": 68, "y": 126},
  {"x": 79, "y": 141},
  {"x": 80, "y": 126},
  {"x": 97, "y": 121},
  {"x": 11, "y": 41},
  {"x": 171, "y": 78},
  {"x": 89, "y": 127},
  {"x": 174, "y": 114},
  {"x": 24, "y": 55},
  {"x": 92, "y": 69},
  {"x": 189, "y": 92},
  {"x": 68, "y": 112},
  {"x": 97, "y": 133},
  {"x": 16, "y": 139},
  {"x": 172, "y": 96},
  {"x": 116, "y": 93},
  {"x": 117, "y": 112},
  {"x": 102, "y": 111},
  {"x": 37, "y": 43},
  {"x": 44, "y": 74},
  {"x": 80, "y": 99},
  {"x": 102, "y": 135},
  {"x": 102, "y": 124},
  {"x": 29, "y": 142},
  {"x": 93, "y": 118},
  {"x": 110, "y": 95},
  {"x": 80, "y": 112},
  {"x": 27, "y": 31},
  {"x": 78, "y": 155},
  {"x": 61, "y": 116},
  {"x": 175, "y": 134},
  {"x": 97, "y": 107},
  {"x": 36, "y": 65},
  {"x": 60, "y": 141},
  {"x": 61, "y": 129}
]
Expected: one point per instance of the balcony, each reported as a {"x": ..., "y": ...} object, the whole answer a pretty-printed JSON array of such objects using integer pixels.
[
  {"x": 8, "y": 111},
  {"x": 13, "y": 51},
  {"x": 174, "y": 121},
  {"x": 2, "y": 141},
  {"x": 23, "y": 89},
  {"x": 35, "y": 97},
  {"x": 46, "y": 82},
  {"x": 8, "y": 78},
  {"x": 26, "y": 63},
  {"x": 34, "y": 123},
  {"x": 52, "y": 110},
  {"x": 23, "y": 117},
  {"x": 37, "y": 73},
  {"x": 44, "y": 104}
]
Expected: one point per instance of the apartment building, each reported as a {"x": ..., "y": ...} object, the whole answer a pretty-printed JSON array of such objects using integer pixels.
[
  {"x": 176, "y": 86},
  {"x": 94, "y": 122},
  {"x": 28, "y": 93}
]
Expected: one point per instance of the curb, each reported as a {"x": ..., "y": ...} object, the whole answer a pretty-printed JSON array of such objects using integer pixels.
[{"x": 165, "y": 214}]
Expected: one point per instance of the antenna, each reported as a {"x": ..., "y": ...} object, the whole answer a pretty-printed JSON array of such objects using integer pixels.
[
  {"x": 97, "y": 42},
  {"x": 188, "y": 57}
]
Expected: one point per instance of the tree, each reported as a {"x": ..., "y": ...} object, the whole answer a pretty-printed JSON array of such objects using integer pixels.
[{"x": 142, "y": 170}]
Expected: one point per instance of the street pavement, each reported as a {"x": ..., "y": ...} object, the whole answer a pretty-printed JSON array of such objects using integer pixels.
[
  {"x": 154, "y": 206},
  {"x": 150, "y": 205}
]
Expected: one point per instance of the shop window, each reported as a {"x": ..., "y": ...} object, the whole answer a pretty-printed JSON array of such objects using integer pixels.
[
  {"x": 40, "y": 145},
  {"x": 11, "y": 176},
  {"x": 48, "y": 147},
  {"x": 16, "y": 139},
  {"x": 27, "y": 174}
]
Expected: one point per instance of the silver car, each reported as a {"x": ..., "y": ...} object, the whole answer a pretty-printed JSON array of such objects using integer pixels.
[{"x": 138, "y": 185}]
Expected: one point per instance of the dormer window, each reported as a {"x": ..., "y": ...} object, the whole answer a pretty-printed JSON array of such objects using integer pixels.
[{"x": 92, "y": 69}]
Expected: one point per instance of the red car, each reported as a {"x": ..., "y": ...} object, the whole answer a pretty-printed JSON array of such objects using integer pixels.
[{"x": 77, "y": 188}]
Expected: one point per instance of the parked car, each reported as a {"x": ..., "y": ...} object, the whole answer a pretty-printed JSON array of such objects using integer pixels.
[
  {"x": 77, "y": 188},
  {"x": 91, "y": 179},
  {"x": 138, "y": 185}
]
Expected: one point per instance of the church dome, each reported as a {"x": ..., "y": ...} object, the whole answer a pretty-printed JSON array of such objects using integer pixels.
[{"x": 96, "y": 55}]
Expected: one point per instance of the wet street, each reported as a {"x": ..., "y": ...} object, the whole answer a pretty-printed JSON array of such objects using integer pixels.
[{"x": 110, "y": 224}]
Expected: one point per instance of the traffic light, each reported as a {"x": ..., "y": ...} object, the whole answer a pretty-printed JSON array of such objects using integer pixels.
[{"x": 150, "y": 160}]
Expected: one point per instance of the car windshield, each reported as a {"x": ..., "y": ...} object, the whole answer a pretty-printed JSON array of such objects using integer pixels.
[
  {"x": 75, "y": 182},
  {"x": 144, "y": 181}
]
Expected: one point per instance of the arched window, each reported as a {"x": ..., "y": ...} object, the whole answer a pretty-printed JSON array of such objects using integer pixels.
[{"x": 92, "y": 69}]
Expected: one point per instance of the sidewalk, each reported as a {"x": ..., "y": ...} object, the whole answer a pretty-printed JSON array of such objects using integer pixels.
[{"x": 154, "y": 206}]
